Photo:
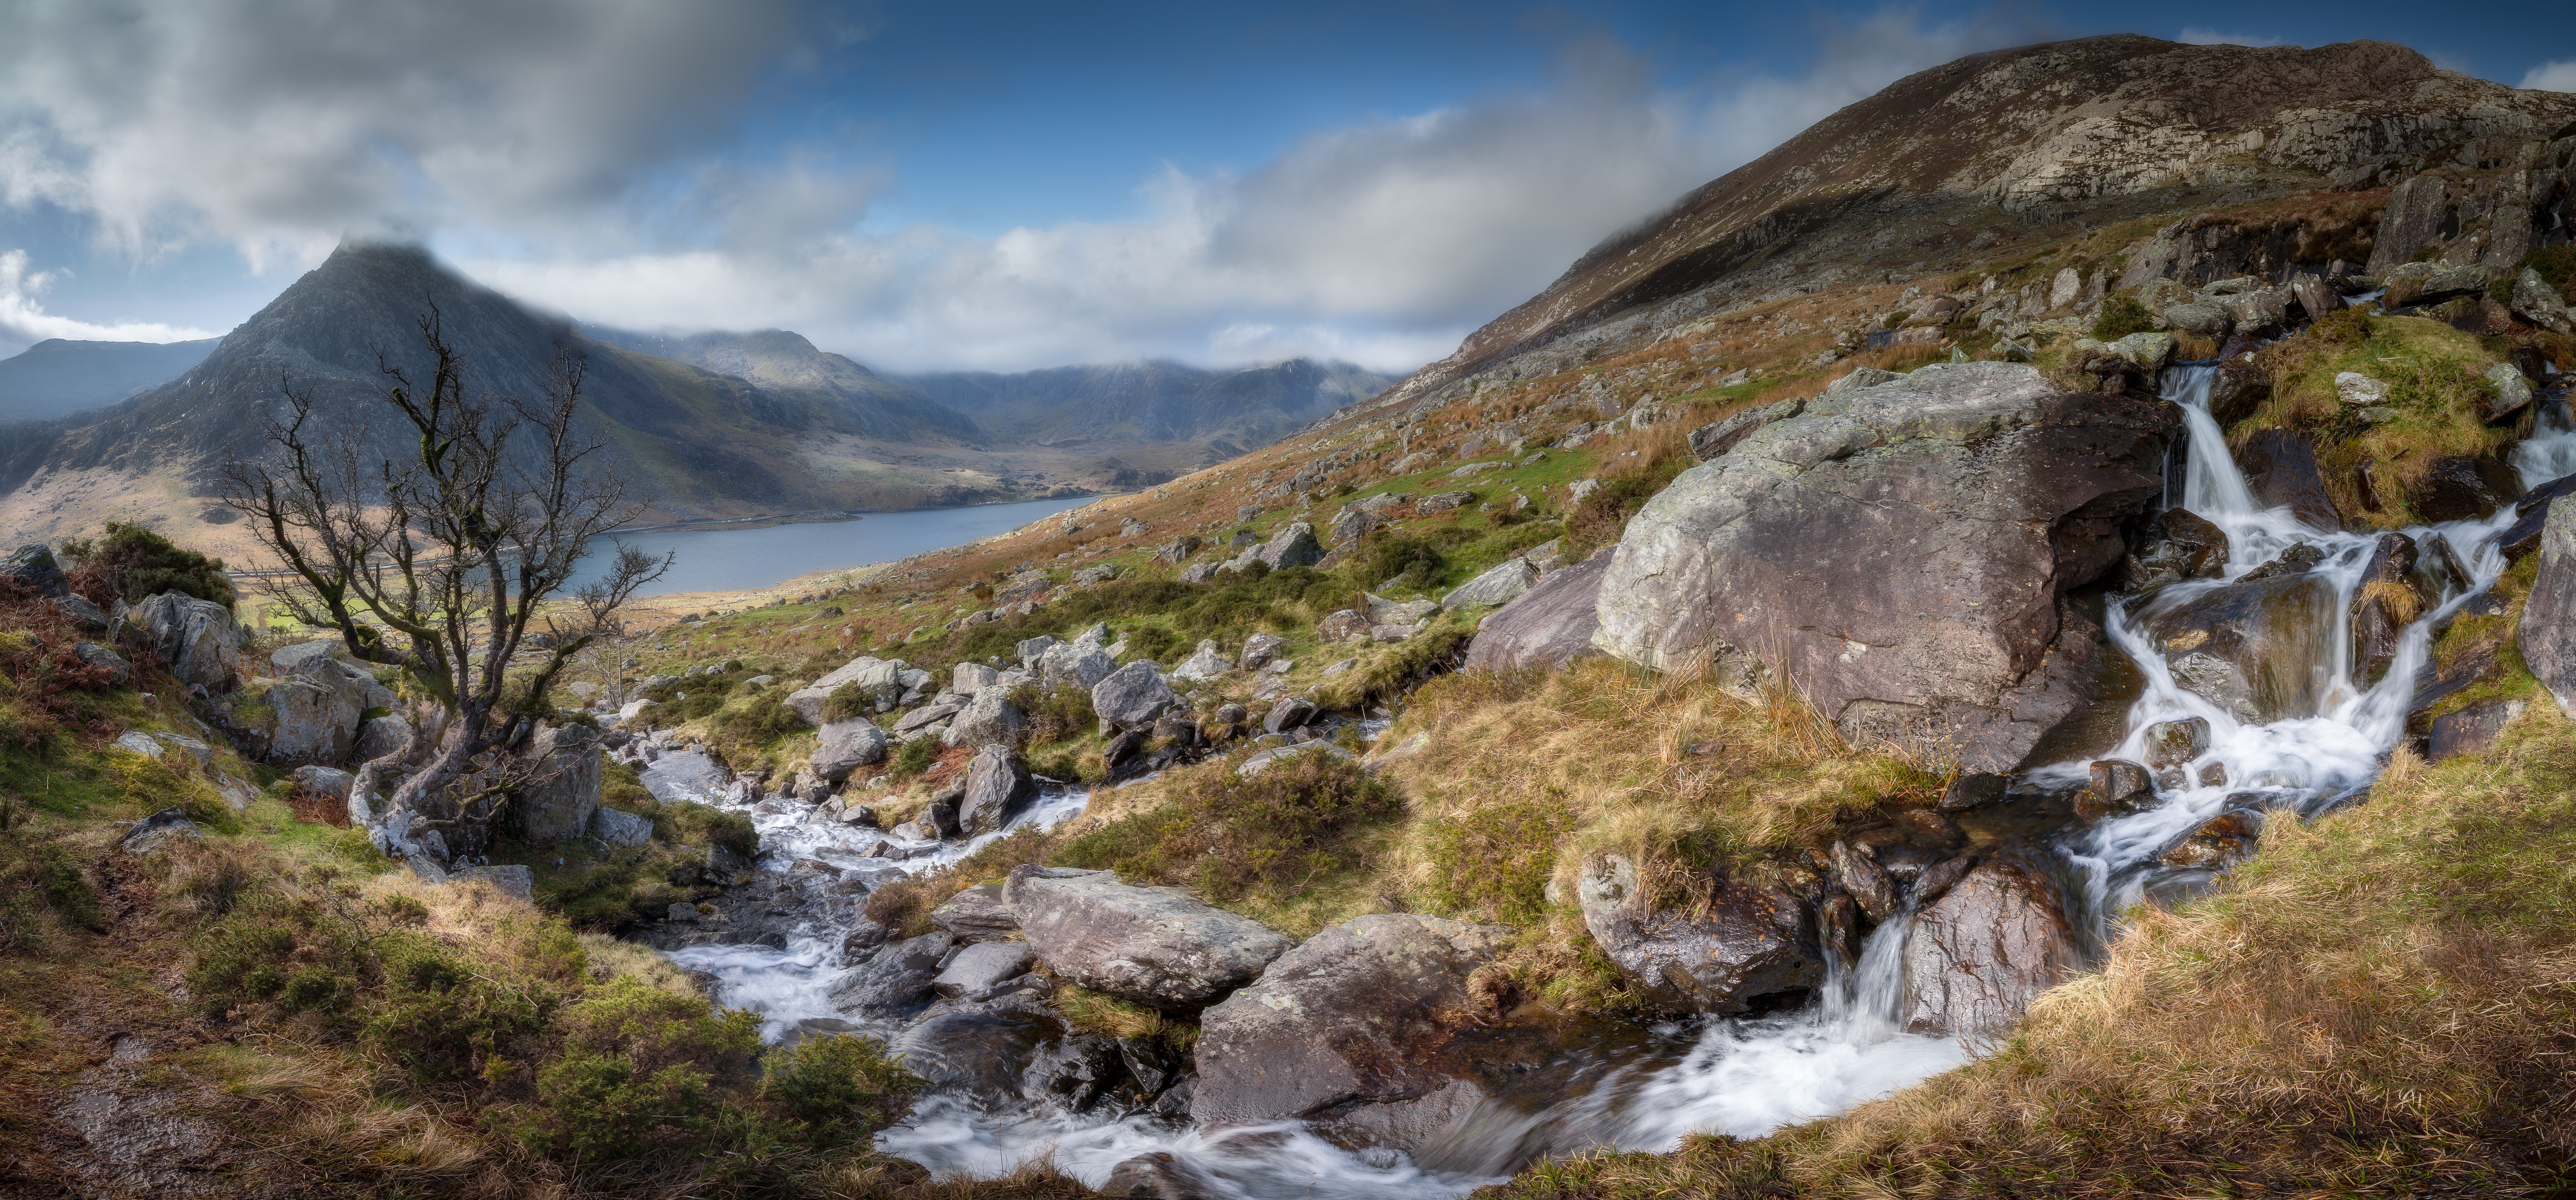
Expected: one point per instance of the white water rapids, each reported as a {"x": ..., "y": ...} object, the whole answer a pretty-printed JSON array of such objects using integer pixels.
[{"x": 1737, "y": 1076}]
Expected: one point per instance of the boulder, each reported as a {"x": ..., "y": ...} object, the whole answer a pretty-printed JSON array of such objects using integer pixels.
[
  {"x": 924, "y": 717},
  {"x": 2175, "y": 545},
  {"x": 558, "y": 806},
  {"x": 94, "y": 654},
  {"x": 1717, "y": 437},
  {"x": 2118, "y": 786},
  {"x": 978, "y": 914},
  {"x": 83, "y": 614},
  {"x": 196, "y": 637},
  {"x": 2470, "y": 729},
  {"x": 2173, "y": 743},
  {"x": 842, "y": 747},
  {"x": 157, "y": 831},
  {"x": 1259, "y": 649},
  {"x": 2260, "y": 312},
  {"x": 2221, "y": 841},
  {"x": 880, "y": 681},
  {"x": 380, "y": 737},
  {"x": 1288, "y": 714},
  {"x": 1341, "y": 625},
  {"x": 1161, "y": 1175},
  {"x": 2281, "y": 470},
  {"x": 620, "y": 828},
  {"x": 1549, "y": 626},
  {"x": 2463, "y": 488},
  {"x": 2547, "y": 635},
  {"x": 317, "y": 711},
  {"x": 1342, "y": 1030},
  {"x": 894, "y": 981},
  {"x": 998, "y": 786},
  {"x": 1901, "y": 556},
  {"x": 1132, "y": 696},
  {"x": 1075, "y": 664},
  {"x": 1747, "y": 942},
  {"x": 1204, "y": 665},
  {"x": 1351, "y": 524},
  {"x": 1980, "y": 953},
  {"x": 2513, "y": 392},
  {"x": 2316, "y": 297},
  {"x": 968, "y": 679},
  {"x": 33, "y": 565},
  {"x": 992, "y": 718},
  {"x": 1294, "y": 545},
  {"x": 2250, "y": 646},
  {"x": 1260, "y": 761},
  {"x": 515, "y": 880},
  {"x": 2356, "y": 389},
  {"x": 1156, "y": 946},
  {"x": 325, "y": 781},
  {"x": 2534, "y": 301},
  {"x": 2236, "y": 389},
  {"x": 1442, "y": 502},
  {"x": 1501, "y": 585},
  {"x": 2383, "y": 602},
  {"x": 978, "y": 969},
  {"x": 2201, "y": 318}
]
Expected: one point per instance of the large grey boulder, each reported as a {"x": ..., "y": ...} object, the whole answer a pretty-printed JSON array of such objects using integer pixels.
[
  {"x": 1746, "y": 943},
  {"x": 845, "y": 746},
  {"x": 990, "y": 719},
  {"x": 998, "y": 786},
  {"x": 1979, "y": 954},
  {"x": 2201, "y": 318},
  {"x": 2537, "y": 302},
  {"x": 1293, "y": 546},
  {"x": 1719, "y": 436},
  {"x": 1501, "y": 585},
  {"x": 33, "y": 565},
  {"x": 317, "y": 710},
  {"x": 967, "y": 679},
  {"x": 1343, "y": 1032},
  {"x": 1132, "y": 696},
  {"x": 1901, "y": 554},
  {"x": 1075, "y": 664},
  {"x": 979, "y": 968},
  {"x": 560, "y": 804},
  {"x": 1259, "y": 649},
  {"x": 895, "y": 980},
  {"x": 379, "y": 737},
  {"x": 2250, "y": 646},
  {"x": 881, "y": 680},
  {"x": 620, "y": 828},
  {"x": 1549, "y": 626},
  {"x": 196, "y": 637},
  {"x": 2547, "y": 635},
  {"x": 1157, "y": 946},
  {"x": 1204, "y": 665}
]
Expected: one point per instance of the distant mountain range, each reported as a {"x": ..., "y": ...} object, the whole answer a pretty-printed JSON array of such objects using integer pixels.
[{"x": 702, "y": 426}]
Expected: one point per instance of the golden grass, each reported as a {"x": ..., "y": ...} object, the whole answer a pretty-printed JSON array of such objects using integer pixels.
[{"x": 2433, "y": 375}]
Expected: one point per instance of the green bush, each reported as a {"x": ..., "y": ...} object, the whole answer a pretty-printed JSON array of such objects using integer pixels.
[
  {"x": 441, "y": 1023},
  {"x": 2121, "y": 316},
  {"x": 839, "y": 1089},
  {"x": 849, "y": 702},
  {"x": 912, "y": 758},
  {"x": 1492, "y": 864},
  {"x": 760, "y": 721},
  {"x": 133, "y": 562},
  {"x": 1056, "y": 714},
  {"x": 645, "y": 1071},
  {"x": 1412, "y": 562},
  {"x": 41, "y": 883}
]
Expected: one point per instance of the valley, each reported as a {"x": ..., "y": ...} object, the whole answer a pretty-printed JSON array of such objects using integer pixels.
[{"x": 2019, "y": 644}]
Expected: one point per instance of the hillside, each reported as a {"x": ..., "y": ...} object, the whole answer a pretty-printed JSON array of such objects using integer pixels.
[
  {"x": 56, "y": 378},
  {"x": 1226, "y": 411},
  {"x": 2073, "y": 702}
]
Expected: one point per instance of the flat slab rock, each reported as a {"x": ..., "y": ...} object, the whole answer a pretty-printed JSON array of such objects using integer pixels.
[
  {"x": 1346, "y": 1030},
  {"x": 1549, "y": 626},
  {"x": 1156, "y": 946}
]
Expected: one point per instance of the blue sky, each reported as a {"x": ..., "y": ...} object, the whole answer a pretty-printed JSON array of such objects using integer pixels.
[{"x": 995, "y": 186}]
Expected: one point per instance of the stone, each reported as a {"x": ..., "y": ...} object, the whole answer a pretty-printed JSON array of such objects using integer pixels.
[
  {"x": 1259, "y": 649},
  {"x": 2471, "y": 729},
  {"x": 83, "y": 614},
  {"x": 1200, "y": 572},
  {"x": 998, "y": 786},
  {"x": 1132, "y": 696},
  {"x": 2462, "y": 488},
  {"x": 1442, "y": 502},
  {"x": 2248, "y": 646},
  {"x": 2173, "y": 743},
  {"x": 289, "y": 659},
  {"x": 1294, "y": 545},
  {"x": 992, "y": 718},
  {"x": 1101, "y": 573},
  {"x": 317, "y": 710},
  {"x": 558, "y": 805},
  {"x": 2177, "y": 545},
  {"x": 724, "y": 868},
  {"x": 1179, "y": 550},
  {"x": 2534, "y": 301},
  {"x": 2222, "y": 841},
  {"x": 196, "y": 637},
  {"x": 2281, "y": 469},
  {"x": 1341, "y": 625},
  {"x": 2547, "y": 633},
  {"x": 979, "y": 968},
  {"x": 2315, "y": 296},
  {"x": 924, "y": 717},
  {"x": 1156, "y": 946},
  {"x": 2384, "y": 601},
  {"x": 2147, "y": 352},
  {"x": 2413, "y": 219},
  {"x": 2260, "y": 312},
  {"x": 968, "y": 679},
  {"x": 93, "y": 654},
  {"x": 1161, "y": 1175},
  {"x": 33, "y": 565},
  {"x": 2118, "y": 787},
  {"x": 1901, "y": 555},
  {"x": 158, "y": 831},
  {"x": 2356, "y": 389},
  {"x": 895, "y": 980},
  {"x": 325, "y": 781},
  {"x": 1351, "y": 524},
  {"x": 618, "y": 827},
  {"x": 1747, "y": 942},
  {"x": 381, "y": 737},
  {"x": 1339, "y": 1032},
  {"x": 2236, "y": 389},
  {"x": 879, "y": 683},
  {"x": 842, "y": 747},
  {"x": 2513, "y": 392},
  {"x": 1075, "y": 664},
  {"x": 1577, "y": 491},
  {"x": 1501, "y": 585},
  {"x": 1288, "y": 714},
  {"x": 1717, "y": 437},
  {"x": 978, "y": 914},
  {"x": 1980, "y": 953},
  {"x": 1203, "y": 666},
  {"x": 2063, "y": 290},
  {"x": 1871, "y": 887},
  {"x": 2201, "y": 318},
  {"x": 1028, "y": 651}
]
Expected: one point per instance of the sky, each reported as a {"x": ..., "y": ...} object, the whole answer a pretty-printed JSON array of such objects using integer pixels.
[{"x": 973, "y": 186}]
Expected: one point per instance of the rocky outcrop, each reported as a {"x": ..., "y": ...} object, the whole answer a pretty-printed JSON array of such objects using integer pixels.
[
  {"x": 1346, "y": 1031},
  {"x": 1901, "y": 554},
  {"x": 1980, "y": 953},
  {"x": 1549, "y": 626},
  {"x": 565, "y": 795},
  {"x": 2547, "y": 635},
  {"x": 841, "y": 747},
  {"x": 196, "y": 637},
  {"x": 879, "y": 683},
  {"x": 998, "y": 786},
  {"x": 1156, "y": 946},
  {"x": 1132, "y": 696},
  {"x": 1500, "y": 585},
  {"x": 990, "y": 719},
  {"x": 1744, "y": 943}
]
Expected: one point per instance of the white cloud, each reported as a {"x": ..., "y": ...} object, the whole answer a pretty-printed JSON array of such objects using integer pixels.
[
  {"x": 2210, "y": 37},
  {"x": 24, "y": 321},
  {"x": 2551, "y": 77},
  {"x": 1384, "y": 243}
]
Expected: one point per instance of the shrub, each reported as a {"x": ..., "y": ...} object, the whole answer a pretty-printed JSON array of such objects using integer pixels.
[
  {"x": 130, "y": 562},
  {"x": 1412, "y": 562},
  {"x": 2121, "y": 316},
  {"x": 42, "y": 885},
  {"x": 1493, "y": 862},
  {"x": 643, "y": 1070},
  {"x": 759, "y": 721},
  {"x": 839, "y": 1089},
  {"x": 912, "y": 758},
  {"x": 1056, "y": 713},
  {"x": 849, "y": 702}
]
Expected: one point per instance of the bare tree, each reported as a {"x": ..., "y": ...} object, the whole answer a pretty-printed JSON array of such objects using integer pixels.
[{"x": 438, "y": 559}]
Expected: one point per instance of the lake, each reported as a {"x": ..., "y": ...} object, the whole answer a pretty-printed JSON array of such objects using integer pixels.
[{"x": 726, "y": 560}]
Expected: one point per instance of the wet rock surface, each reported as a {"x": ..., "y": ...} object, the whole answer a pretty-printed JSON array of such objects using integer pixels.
[
  {"x": 2252, "y": 646},
  {"x": 1156, "y": 946},
  {"x": 1741, "y": 944},
  {"x": 1979, "y": 954},
  {"x": 2547, "y": 634}
]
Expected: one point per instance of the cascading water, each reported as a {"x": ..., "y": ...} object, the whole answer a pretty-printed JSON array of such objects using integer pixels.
[{"x": 1738, "y": 1076}]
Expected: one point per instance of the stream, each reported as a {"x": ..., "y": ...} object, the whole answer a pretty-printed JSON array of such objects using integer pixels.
[{"x": 1646, "y": 1086}]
